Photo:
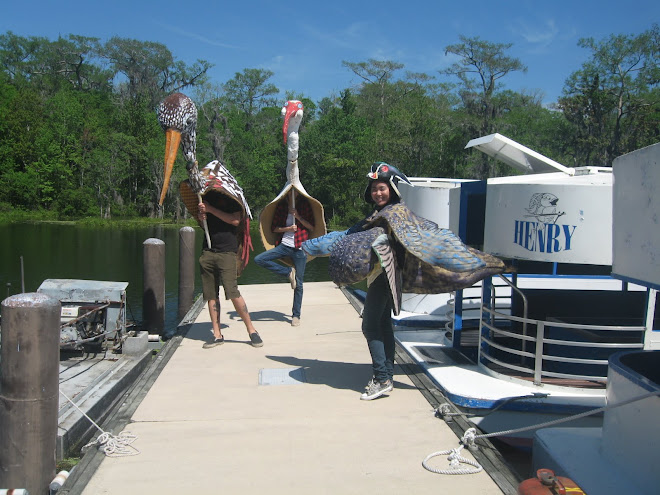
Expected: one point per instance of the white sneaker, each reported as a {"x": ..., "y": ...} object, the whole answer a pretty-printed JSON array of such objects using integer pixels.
[
  {"x": 375, "y": 389},
  {"x": 292, "y": 278}
]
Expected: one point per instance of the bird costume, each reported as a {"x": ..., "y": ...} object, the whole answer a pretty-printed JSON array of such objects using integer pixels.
[
  {"x": 177, "y": 115},
  {"x": 416, "y": 255}
]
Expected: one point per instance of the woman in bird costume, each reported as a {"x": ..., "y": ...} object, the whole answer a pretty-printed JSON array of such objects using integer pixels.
[{"x": 396, "y": 251}]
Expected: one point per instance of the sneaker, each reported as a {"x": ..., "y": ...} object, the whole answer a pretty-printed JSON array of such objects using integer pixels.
[
  {"x": 375, "y": 389},
  {"x": 292, "y": 278},
  {"x": 213, "y": 343},
  {"x": 295, "y": 321},
  {"x": 255, "y": 340}
]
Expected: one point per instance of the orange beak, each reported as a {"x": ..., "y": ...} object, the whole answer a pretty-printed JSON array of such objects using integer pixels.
[{"x": 172, "y": 141}]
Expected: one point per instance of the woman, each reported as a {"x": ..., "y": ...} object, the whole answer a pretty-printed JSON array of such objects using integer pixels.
[
  {"x": 377, "y": 313},
  {"x": 396, "y": 251}
]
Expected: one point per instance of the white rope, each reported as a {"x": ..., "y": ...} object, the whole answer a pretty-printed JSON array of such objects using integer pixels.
[
  {"x": 113, "y": 445},
  {"x": 455, "y": 459},
  {"x": 470, "y": 436}
]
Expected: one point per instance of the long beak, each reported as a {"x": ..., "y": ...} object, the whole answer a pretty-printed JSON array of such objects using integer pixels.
[
  {"x": 290, "y": 112},
  {"x": 172, "y": 141}
]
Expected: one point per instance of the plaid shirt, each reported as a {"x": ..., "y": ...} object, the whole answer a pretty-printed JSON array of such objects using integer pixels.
[{"x": 303, "y": 209}]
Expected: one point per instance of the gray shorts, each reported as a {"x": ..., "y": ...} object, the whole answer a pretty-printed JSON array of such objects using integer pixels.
[{"x": 218, "y": 269}]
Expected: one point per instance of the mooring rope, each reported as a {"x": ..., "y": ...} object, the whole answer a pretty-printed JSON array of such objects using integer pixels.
[
  {"x": 470, "y": 436},
  {"x": 113, "y": 445}
]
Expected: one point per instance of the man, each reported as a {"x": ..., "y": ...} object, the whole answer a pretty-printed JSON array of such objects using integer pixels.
[
  {"x": 218, "y": 266},
  {"x": 294, "y": 226}
]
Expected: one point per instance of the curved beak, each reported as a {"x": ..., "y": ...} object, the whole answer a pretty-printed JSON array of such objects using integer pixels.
[
  {"x": 288, "y": 112},
  {"x": 172, "y": 141}
]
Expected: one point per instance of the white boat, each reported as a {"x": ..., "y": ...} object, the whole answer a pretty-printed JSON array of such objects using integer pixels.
[
  {"x": 532, "y": 346},
  {"x": 620, "y": 456}
]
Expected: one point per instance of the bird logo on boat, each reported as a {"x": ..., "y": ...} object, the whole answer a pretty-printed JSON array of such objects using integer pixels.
[{"x": 543, "y": 207}]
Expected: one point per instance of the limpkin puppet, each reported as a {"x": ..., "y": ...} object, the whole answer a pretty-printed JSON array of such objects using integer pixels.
[
  {"x": 416, "y": 255},
  {"x": 293, "y": 115},
  {"x": 177, "y": 115}
]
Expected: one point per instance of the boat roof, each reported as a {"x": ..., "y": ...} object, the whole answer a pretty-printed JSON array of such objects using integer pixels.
[{"x": 516, "y": 155}]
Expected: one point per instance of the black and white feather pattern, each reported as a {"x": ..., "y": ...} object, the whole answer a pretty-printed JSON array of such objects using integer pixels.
[{"x": 221, "y": 176}]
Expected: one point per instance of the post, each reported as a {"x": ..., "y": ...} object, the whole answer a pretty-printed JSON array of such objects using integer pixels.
[
  {"x": 153, "y": 293},
  {"x": 29, "y": 391},
  {"x": 186, "y": 269}
]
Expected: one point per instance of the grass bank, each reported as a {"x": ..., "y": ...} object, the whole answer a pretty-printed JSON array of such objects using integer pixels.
[{"x": 21, "y": 216}]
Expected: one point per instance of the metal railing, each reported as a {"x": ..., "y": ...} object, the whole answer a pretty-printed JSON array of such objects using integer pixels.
[{"x": 550, "y": 349}]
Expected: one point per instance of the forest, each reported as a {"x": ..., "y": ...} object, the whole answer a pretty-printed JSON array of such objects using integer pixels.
[{"x": 79, "y": 135}]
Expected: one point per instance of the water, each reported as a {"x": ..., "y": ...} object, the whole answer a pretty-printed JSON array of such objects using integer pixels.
[{"x": 57, "y": 250}]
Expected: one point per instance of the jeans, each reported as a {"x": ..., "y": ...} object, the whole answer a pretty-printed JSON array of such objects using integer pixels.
[
  {"x": 299, "y": 258},
  {"x": 377, "y": 328}
]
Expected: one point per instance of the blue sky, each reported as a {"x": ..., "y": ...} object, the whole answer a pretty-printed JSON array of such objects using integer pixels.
[{"x": 304, "y": 43}]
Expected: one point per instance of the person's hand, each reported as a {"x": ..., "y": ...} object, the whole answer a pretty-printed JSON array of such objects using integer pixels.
[
  {"x": 293, "y": 227},
  {"x": 201, "y": 213}
]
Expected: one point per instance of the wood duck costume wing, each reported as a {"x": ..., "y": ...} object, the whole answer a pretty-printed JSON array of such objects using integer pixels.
[{"x": 416, "y": 254}]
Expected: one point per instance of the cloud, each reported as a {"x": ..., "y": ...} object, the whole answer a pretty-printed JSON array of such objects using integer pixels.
[
  {"x": 539, "y": 36},
  {"x": 196, "y": 36},
  {"x": 354, "y": 35}
]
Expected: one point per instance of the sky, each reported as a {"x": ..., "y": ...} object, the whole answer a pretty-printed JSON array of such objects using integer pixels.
[{"x": 304, "y": 43}]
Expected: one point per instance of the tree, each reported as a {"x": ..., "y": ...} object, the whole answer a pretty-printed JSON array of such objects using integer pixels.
[
  {"x": 150, "y": 69},
  {"x": 250, "y": 92},
  {"x": 213, "y": 125},
  {"x": 377, "y": 74},
  {"x": 67, "y": 63},
  {"x": 482, "y": 64},
  {"x": 612, "y": 99}
]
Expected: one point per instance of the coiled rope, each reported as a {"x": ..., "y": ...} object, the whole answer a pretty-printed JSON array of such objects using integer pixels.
[
  {"x": 113, "y": 445},
  {"x": 455, "y": 459},
  {"x": 470, "y": 436}
]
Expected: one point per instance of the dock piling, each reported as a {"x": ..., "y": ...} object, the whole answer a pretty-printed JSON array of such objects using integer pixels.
[
  {"x": 186, "y": 270},
  {"x": 153, "y": 295},
  {"x": 29, "y": 390}
]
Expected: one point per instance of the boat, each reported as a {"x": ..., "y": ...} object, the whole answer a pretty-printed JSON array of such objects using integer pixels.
[
  {"x": 620, "y": 455},
  {"x": 532, "y": 345},
  {"x": 100, "y": 356}
]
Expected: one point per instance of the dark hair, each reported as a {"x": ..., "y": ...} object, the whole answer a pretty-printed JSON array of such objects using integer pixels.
[{"x": 394, "y": 197}]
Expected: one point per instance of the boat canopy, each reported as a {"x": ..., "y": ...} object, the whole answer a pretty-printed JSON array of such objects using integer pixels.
[{"x": 516, "y": 155}]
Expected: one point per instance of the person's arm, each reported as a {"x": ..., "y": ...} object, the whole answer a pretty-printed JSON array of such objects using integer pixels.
[
  {"x": 278, "y": 225},
  {"x": 305, "y": 223},
  {"x": 230, "y": 218},
  {"x": 304, "y": 214}
]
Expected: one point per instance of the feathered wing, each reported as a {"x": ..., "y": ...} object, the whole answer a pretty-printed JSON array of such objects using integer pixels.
[
  {"x": 435, "y": 260},
  {"x": 427, "y": 242},
  {"x": 226, "y": 181},
  {"x": 387, "y": 259}
]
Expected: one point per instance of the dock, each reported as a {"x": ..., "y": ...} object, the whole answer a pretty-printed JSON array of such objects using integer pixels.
[{"x": 285, "y": 418}]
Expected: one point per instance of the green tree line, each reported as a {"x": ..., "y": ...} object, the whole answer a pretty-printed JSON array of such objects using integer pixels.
[{"x": 79, "y": 135}]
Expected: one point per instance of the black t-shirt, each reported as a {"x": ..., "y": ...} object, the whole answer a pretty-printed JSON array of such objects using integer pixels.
[{"x": 223, "y": 235}]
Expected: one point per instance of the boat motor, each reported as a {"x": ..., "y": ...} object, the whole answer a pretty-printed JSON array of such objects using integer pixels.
[{"x": 93, "y": 313}]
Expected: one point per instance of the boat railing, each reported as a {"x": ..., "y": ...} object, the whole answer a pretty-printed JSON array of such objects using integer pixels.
[
  {"x": 550, "y": 351},
  {"x": 471, "y": 306}
]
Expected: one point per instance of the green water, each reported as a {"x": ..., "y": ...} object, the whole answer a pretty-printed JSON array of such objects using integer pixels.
[{"x": 53, "y": 250}]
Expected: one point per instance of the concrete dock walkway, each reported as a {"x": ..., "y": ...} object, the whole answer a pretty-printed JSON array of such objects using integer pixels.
[{"x": 285, "y": 418}]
